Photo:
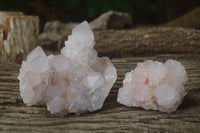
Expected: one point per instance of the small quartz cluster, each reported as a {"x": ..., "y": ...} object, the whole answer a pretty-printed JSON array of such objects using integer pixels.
[
  {"x": 76, "y": 81},
  {"x": 154, "y": 85}
]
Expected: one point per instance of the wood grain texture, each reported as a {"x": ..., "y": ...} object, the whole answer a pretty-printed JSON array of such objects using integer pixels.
[
  {"x": 123, "y": 43},
  {"x": 18, "y": 35},
  {"x": 113, "y": 117}
]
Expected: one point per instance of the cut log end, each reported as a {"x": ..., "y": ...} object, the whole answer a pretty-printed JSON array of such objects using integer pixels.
[{"x": 18, "y": 35}]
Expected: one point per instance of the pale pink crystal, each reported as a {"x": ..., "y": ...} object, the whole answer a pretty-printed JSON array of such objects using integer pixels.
[
  {"x": 154, "y": 85},
  {"x": 76, "y": 81}
]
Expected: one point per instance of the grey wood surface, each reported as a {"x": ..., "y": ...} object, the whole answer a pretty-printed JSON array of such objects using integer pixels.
[{"x": 113, "y": 117}]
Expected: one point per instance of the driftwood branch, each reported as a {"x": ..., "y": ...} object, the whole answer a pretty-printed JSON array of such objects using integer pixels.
[{"x": 123, "y": 43}]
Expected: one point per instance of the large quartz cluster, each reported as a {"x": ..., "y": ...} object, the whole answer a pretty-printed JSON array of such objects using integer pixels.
[
  {"x": 154, "y": 85},
  {"x": 76, "y": 81}
]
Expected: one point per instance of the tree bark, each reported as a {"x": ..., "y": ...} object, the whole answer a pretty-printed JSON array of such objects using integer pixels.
[
  {"x": 113, "y": 117},
  {"x": 126, "y": 43},
  {"x": 18, "y": 35},
  {"x": 156, "y": 40}
]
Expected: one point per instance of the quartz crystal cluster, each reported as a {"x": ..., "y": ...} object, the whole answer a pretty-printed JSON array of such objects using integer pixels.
[
  {"x": 76, "y": 81},
  {"x": 154, "y": 85}
]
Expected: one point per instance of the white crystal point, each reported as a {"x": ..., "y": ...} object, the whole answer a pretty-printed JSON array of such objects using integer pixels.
[
  {"x": 83, "y": 30},
  {"x": 154, "y": 85},
  {"x": 76, "y": 81}
]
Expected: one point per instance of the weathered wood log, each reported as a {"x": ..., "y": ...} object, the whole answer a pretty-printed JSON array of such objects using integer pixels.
[
  {"x": 113, "y": 117},
  {"x": 18, "y": 35},
  {"x": 123, "y": 43}
]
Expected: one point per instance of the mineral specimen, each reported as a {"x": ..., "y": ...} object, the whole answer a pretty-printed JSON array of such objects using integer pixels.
[
  {"x": 76, "y": 81},
  {"x": 154, "y": 85}
]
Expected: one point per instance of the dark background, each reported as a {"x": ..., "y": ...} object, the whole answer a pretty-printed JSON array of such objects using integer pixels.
[{"x": 141, "y": 11}]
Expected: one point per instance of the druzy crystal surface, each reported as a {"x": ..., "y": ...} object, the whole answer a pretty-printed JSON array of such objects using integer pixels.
[
  {"x": 154, "y": 85},
  {"x": 76, "y": 81}
]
